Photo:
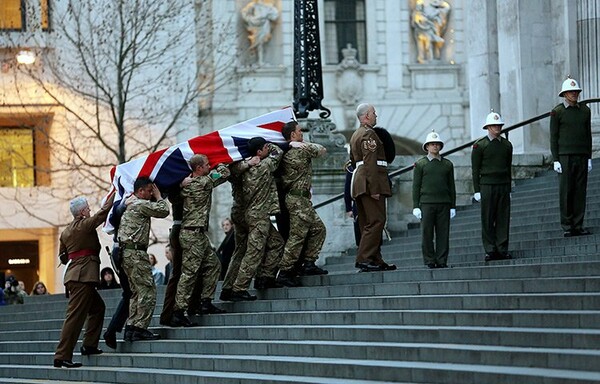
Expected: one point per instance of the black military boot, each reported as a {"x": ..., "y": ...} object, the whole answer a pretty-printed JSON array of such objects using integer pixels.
[
  {"x": 128, "y": 333},
  {"x": 208, "y": 307},
  {"x": 225, "y": 295},
  {"x": 309, "y": 268},
  {"x": 143, "y": 334},
  {"x": 178, "y": 319},
  {"x": 287, "y": 278}
]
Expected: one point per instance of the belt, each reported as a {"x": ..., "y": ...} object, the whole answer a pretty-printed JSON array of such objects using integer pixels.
[
  {"x": 134, "y": 246},
  {"x": 299, "y": 192},
  {"x": 381, "y": 163},
  {"x": 195, "y": 229},
  {"x": 83, "y": 253}
]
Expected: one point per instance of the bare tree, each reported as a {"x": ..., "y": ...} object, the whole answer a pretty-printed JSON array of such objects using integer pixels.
[{"x": 123, "y": 77}]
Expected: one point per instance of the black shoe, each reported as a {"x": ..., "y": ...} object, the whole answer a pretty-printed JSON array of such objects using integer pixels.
[
  {"x": 311, "y": 269},
  {"x": 110, "y": 339},
  {"x": 506, "y": 256},
  {"x": 208, "y": 308},
  {"x": 287, "y": 278},
  {"x": 388, "y": 267},
  {"x": 581, "y": 232},
  {"x": 178, "y": 319},
  {"x": 225, "y": 295},
  {"x": 86, "y": 351},
  {"x": 368, "y": 267},
  {"x": 569, "y": 233},
  {"x": 491, "y": 256},
  {"x": 260, "y": 283},
  {"x": 143, "y": 334},
  {"x": 242, "y": 296},
  {"x": 431, "y": 265},
  {"x": 66, "y": 364},
  {"x": 441, "y": 265}
]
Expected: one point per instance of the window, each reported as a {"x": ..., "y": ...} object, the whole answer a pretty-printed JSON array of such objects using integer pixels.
[
  {"x": 24, "y": 152},
  {"x": 13, "y": 15},
  {"x": 16, "y": 157},
  {"x": 345, "y": 24}
]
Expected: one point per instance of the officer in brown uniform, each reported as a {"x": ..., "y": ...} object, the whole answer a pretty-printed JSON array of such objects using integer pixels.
[
  {"x": 80, "y": 241},
  {"x": 198, "y": 259},
  {"x": 370, "y": 186},
  {"x": 307, "y": 231},
  {"x": 133, "y": 235}
]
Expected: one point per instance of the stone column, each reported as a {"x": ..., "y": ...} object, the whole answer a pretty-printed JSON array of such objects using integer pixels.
[
  {"x": 482, "y": 48},
  {"x": 588, "y": 37},
  {"x": 526, "y": 89}
]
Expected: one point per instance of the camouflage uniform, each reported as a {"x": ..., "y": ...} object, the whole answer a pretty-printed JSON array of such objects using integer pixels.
[
  {"x": 264, "y": 243},
  {"x": 133, "y": 235},
  {"x": 305, "y": 224},
  {"x": 198, "y": 259},
  {"x": 238, "y": 219}
]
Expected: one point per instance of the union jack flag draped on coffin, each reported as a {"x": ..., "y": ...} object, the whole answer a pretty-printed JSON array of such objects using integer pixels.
[{"x": 168, "y": 167}]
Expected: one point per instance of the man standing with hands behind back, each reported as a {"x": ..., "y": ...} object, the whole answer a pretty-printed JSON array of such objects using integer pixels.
[
  {"x": 370, "y": 186},
  {"x": 571, "y": 147}
]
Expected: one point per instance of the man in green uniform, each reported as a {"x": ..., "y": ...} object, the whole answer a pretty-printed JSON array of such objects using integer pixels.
[
  {"x": 198, "y": 258},
  {"x": 307, "y": 230},
  {"x": 133, "y": 235},
  {"x": 434, "y": 201},
  {"x": 265, "y": 244},
  {"x": 491, "y": 163},
  {"x": 80, "y": 242},
  {"x": 370, "y": 187},
  {"x": 238, "y": 213},
  {"x": 571, "y": 147}
]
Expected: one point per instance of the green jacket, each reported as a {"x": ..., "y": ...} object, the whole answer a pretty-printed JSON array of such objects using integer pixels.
[
  {"x": 571, "y": 131},
  {"x": 433, "y": 182},
  {"x": 491, "y": 162}
]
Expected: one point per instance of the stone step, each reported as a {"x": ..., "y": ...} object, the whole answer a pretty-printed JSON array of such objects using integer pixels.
[
  {"x": 558, "y": 358},
  {"x": 350, "y": 369},
  {"x": 480, "y": 302}
]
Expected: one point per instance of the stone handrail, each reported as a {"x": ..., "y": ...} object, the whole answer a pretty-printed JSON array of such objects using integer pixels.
[{"x": 457, "y": 149}]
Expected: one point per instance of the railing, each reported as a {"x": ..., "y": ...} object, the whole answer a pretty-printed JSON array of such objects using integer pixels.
[{"x": 457, "y": 149}]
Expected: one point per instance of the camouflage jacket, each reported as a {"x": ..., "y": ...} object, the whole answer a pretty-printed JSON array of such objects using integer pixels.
[
  {"x": 197, "y": 199},
  {"x": 297, "y": 167},
  {"x": 237, "y": 169},
  {"x": 135, "y": 222},
  {"x": 259, "y": 186}
]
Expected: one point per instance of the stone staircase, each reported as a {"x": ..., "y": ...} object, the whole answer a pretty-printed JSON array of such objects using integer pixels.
[{"x": 533, "y": 319}]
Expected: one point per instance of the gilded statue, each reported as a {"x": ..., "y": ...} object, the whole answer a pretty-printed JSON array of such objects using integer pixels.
[{"x": 429, "y": 22}]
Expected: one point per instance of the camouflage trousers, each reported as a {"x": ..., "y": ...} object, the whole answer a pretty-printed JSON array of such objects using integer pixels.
[
  {"x": 136, "y": 265},
  {"x": 241, "y": 237},
  {"x": 307, "y": 232},
  {"x": 263, "y": 252},
  {"x": 198, "y": 262}
]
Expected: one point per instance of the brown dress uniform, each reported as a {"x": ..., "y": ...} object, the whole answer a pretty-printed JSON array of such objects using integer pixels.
[
  {"x": 370, "y": 178},
  {"x": 80, "y": 241}
]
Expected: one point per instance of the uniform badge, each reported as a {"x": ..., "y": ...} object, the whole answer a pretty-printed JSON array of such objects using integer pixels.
[{"x": 370, "y": 145}]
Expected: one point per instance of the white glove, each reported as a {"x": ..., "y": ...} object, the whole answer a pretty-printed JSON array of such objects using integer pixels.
[
  {"x": 452, "y": 213},
  {"x": 417, "y": 213},
  {"x": 589, "y": 165},
  {"x": 477, "y": 196},
  {"x": 557, "y": 167}
]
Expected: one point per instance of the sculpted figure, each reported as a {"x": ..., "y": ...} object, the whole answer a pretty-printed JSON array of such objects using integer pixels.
[
  {"x": 258, "y": 15},
  {"x": 429, "y": 24}
]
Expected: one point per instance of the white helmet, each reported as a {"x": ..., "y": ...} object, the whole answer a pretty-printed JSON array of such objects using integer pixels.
[
  {"x": 493, "y": 118},
  {"x": 569, "y": 85},
  {"x": 433, "y": 137}
]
